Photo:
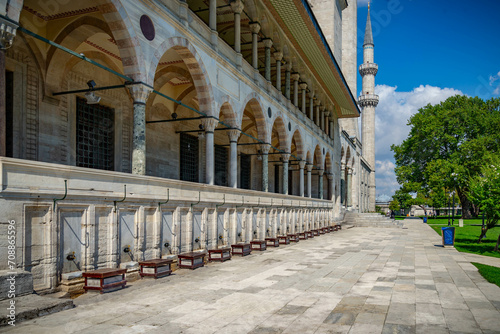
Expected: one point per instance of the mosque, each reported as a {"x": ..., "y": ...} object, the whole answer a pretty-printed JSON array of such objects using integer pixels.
[{"x": 139, "y": 130}]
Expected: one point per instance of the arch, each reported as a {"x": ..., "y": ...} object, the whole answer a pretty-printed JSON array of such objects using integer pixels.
[
  {"x": 228, "y": 114},
  {"x": 254, "y": 106},
  {"x": 280, "y": 130},
  {"x": 297, "y": 138},
  {"x": 13, "y": 9},
  {"x": 195, "y": 66},
  {"x": 318, "y": 157},
  {"x": 328, "y": 163}
]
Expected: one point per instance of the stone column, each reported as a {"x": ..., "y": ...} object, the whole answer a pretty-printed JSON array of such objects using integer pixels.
[
  {"x": 327, "y": 114},
  {"x": 295, "y": 78},
  {"x": 311, "y": 105},
  {"x": 302, "y": 164},
  {"x": 7, "y": 34},
  {"x": 278, "y": 56},
  {"x": 349, "y": 187},
  {"x": 140, "y": 94},
  {"x": 320, "y": 184},
  {"x": 331, "y": 186},
  {"x": 267, "y": 44},
  {"x": 309, "y": 183},
  {"x": 316, "y": 121},
  {"x": 237, "y": 7},
  {"x": 303, "y": 86},
  {"x": 285, "y": 158},
  {"x": 342, "y": 185},
  {"x": 331, "y": 129},
  {"x": 202, "y": 172},
  {"x": 209, "y": 124},
  {"x": 233, "y": 161},
  {"x": 212, "y": 21},
  {"x": 322, "y": 118},
  {"x": 255, "y": 28},
  {"x": 287, "y": 80},
  {"x": 265, "y": 174}
]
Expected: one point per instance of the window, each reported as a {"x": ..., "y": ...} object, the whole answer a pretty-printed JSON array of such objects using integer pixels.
[
  {"x": 189, "y": 158},
  {"x": 220, "y": 165},
  {"x": 245, "y": 163},
  {"x": 94, "y": 135}
]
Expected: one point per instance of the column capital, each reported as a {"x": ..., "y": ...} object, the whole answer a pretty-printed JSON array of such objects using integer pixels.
[
  {"x": 268, "y": 42},
  {"x": 7, "y": 33},
  {"x": 295, "y": 76},
  {"x": 264, "y": 148},
  {"x": 233, "y": 135},
  {"x": 312, "y": 94},
  {"x": 285, "y": 157},
  {"x": 139, "y": 92},
  {"x": 302, "y": 164},
  {"x": 303, "y": 85},
  {"x": 329, "y": 176},
  {"x": 327, "y": 113},
  {"x": 321, "y": 172},
  {"x": 278, "y": 55},
  {"x": 289, "y": 66},
  {"x": 237, "y": 6},
  {"x": 209, "y": 124},
  {"x": 317, "y": 102},
  {"x": 309, "y": 168},
  {"x": 254, "y": 27}
]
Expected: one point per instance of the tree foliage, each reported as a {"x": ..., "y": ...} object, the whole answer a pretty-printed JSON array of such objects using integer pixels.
[
  {"x": 394, "y": 205},
  {"x": 447, "y": 145},
  {"x": 484, "y": 191}
]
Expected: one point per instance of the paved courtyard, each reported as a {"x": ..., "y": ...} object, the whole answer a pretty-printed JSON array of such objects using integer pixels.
[{"x": 359, "y": 280}]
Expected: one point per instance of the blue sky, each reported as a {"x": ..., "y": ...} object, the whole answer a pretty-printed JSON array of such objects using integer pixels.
[{"x": 427, "y": 50}]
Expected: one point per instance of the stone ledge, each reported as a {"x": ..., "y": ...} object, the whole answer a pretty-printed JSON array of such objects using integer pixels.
[
  {"x": 33, "y": 306},
  {"x": 23, "y": 283}
]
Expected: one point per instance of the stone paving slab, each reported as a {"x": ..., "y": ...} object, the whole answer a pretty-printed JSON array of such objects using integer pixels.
[{"x": 358, "y": 280}]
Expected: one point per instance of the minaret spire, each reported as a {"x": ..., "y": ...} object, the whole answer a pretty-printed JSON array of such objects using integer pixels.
[
  {"x": 368, "y": 102},
  {"x": 368, "y": 29}
]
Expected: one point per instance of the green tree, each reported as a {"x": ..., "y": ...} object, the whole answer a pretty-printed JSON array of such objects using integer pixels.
[
  {"x": 394, "y": 205},
  {"x": 447, "y": 145},
  {"x": 484, "y": 190},
  {"x": 403, "y": 198}
]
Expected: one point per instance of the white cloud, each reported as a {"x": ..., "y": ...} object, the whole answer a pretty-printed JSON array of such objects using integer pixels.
[
  {"x": 391, "y": 119},
  {"x": 362, "y": 3},
  {"x": 493, "y": 80}
]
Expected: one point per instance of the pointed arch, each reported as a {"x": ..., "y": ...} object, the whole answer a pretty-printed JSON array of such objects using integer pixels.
[
  {"x": 280, "y": 130},
  {"x": 195, "y": 66},
  {"x": 252, "y": 111}
]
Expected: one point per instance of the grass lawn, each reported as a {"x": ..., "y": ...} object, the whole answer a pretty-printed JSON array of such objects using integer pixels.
[
  {"x": 466, "y": 237},
  {"x": 444, "y": 221},
  {"x": 491, "y": 274}
]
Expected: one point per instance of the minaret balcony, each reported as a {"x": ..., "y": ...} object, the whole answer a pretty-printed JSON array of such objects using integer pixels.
[
  {"x": 366, "y": 100},
  {"x": 368, "y": 68}
]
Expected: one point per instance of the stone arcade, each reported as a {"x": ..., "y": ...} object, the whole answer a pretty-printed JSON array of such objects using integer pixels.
[{"x": 133, "y": 131}]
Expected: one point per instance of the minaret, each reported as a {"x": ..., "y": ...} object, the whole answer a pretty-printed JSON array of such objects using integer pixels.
[{"x": 368, "y": 101}]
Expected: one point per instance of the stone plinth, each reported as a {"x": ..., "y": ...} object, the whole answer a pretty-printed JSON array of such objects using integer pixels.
[
  {"x": 219, "y": 254},
  {"x": 241, "y": 249},
  {"x": 156, "y": 268},
  {"x": 191, "y": 260},
  {"x": 105, "y": 280},
  {"x": 272, "y": 242},
  {"x": 258, "y": 245}
]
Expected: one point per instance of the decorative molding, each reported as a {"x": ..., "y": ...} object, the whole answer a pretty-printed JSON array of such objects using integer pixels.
[{"x": 62, "y": 15}]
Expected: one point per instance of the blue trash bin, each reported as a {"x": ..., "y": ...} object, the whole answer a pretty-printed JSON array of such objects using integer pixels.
[
  {"x": 448, "y": 234},
  {"x": 425, "y": 219}
]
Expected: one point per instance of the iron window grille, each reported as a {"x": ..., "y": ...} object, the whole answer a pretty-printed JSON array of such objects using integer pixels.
[
  {"x": 245, "y": 163},
  {"x": 94, "y": 135},
  {"x": 189, "y": 157},
  {"x": 220, "y": 165}
]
